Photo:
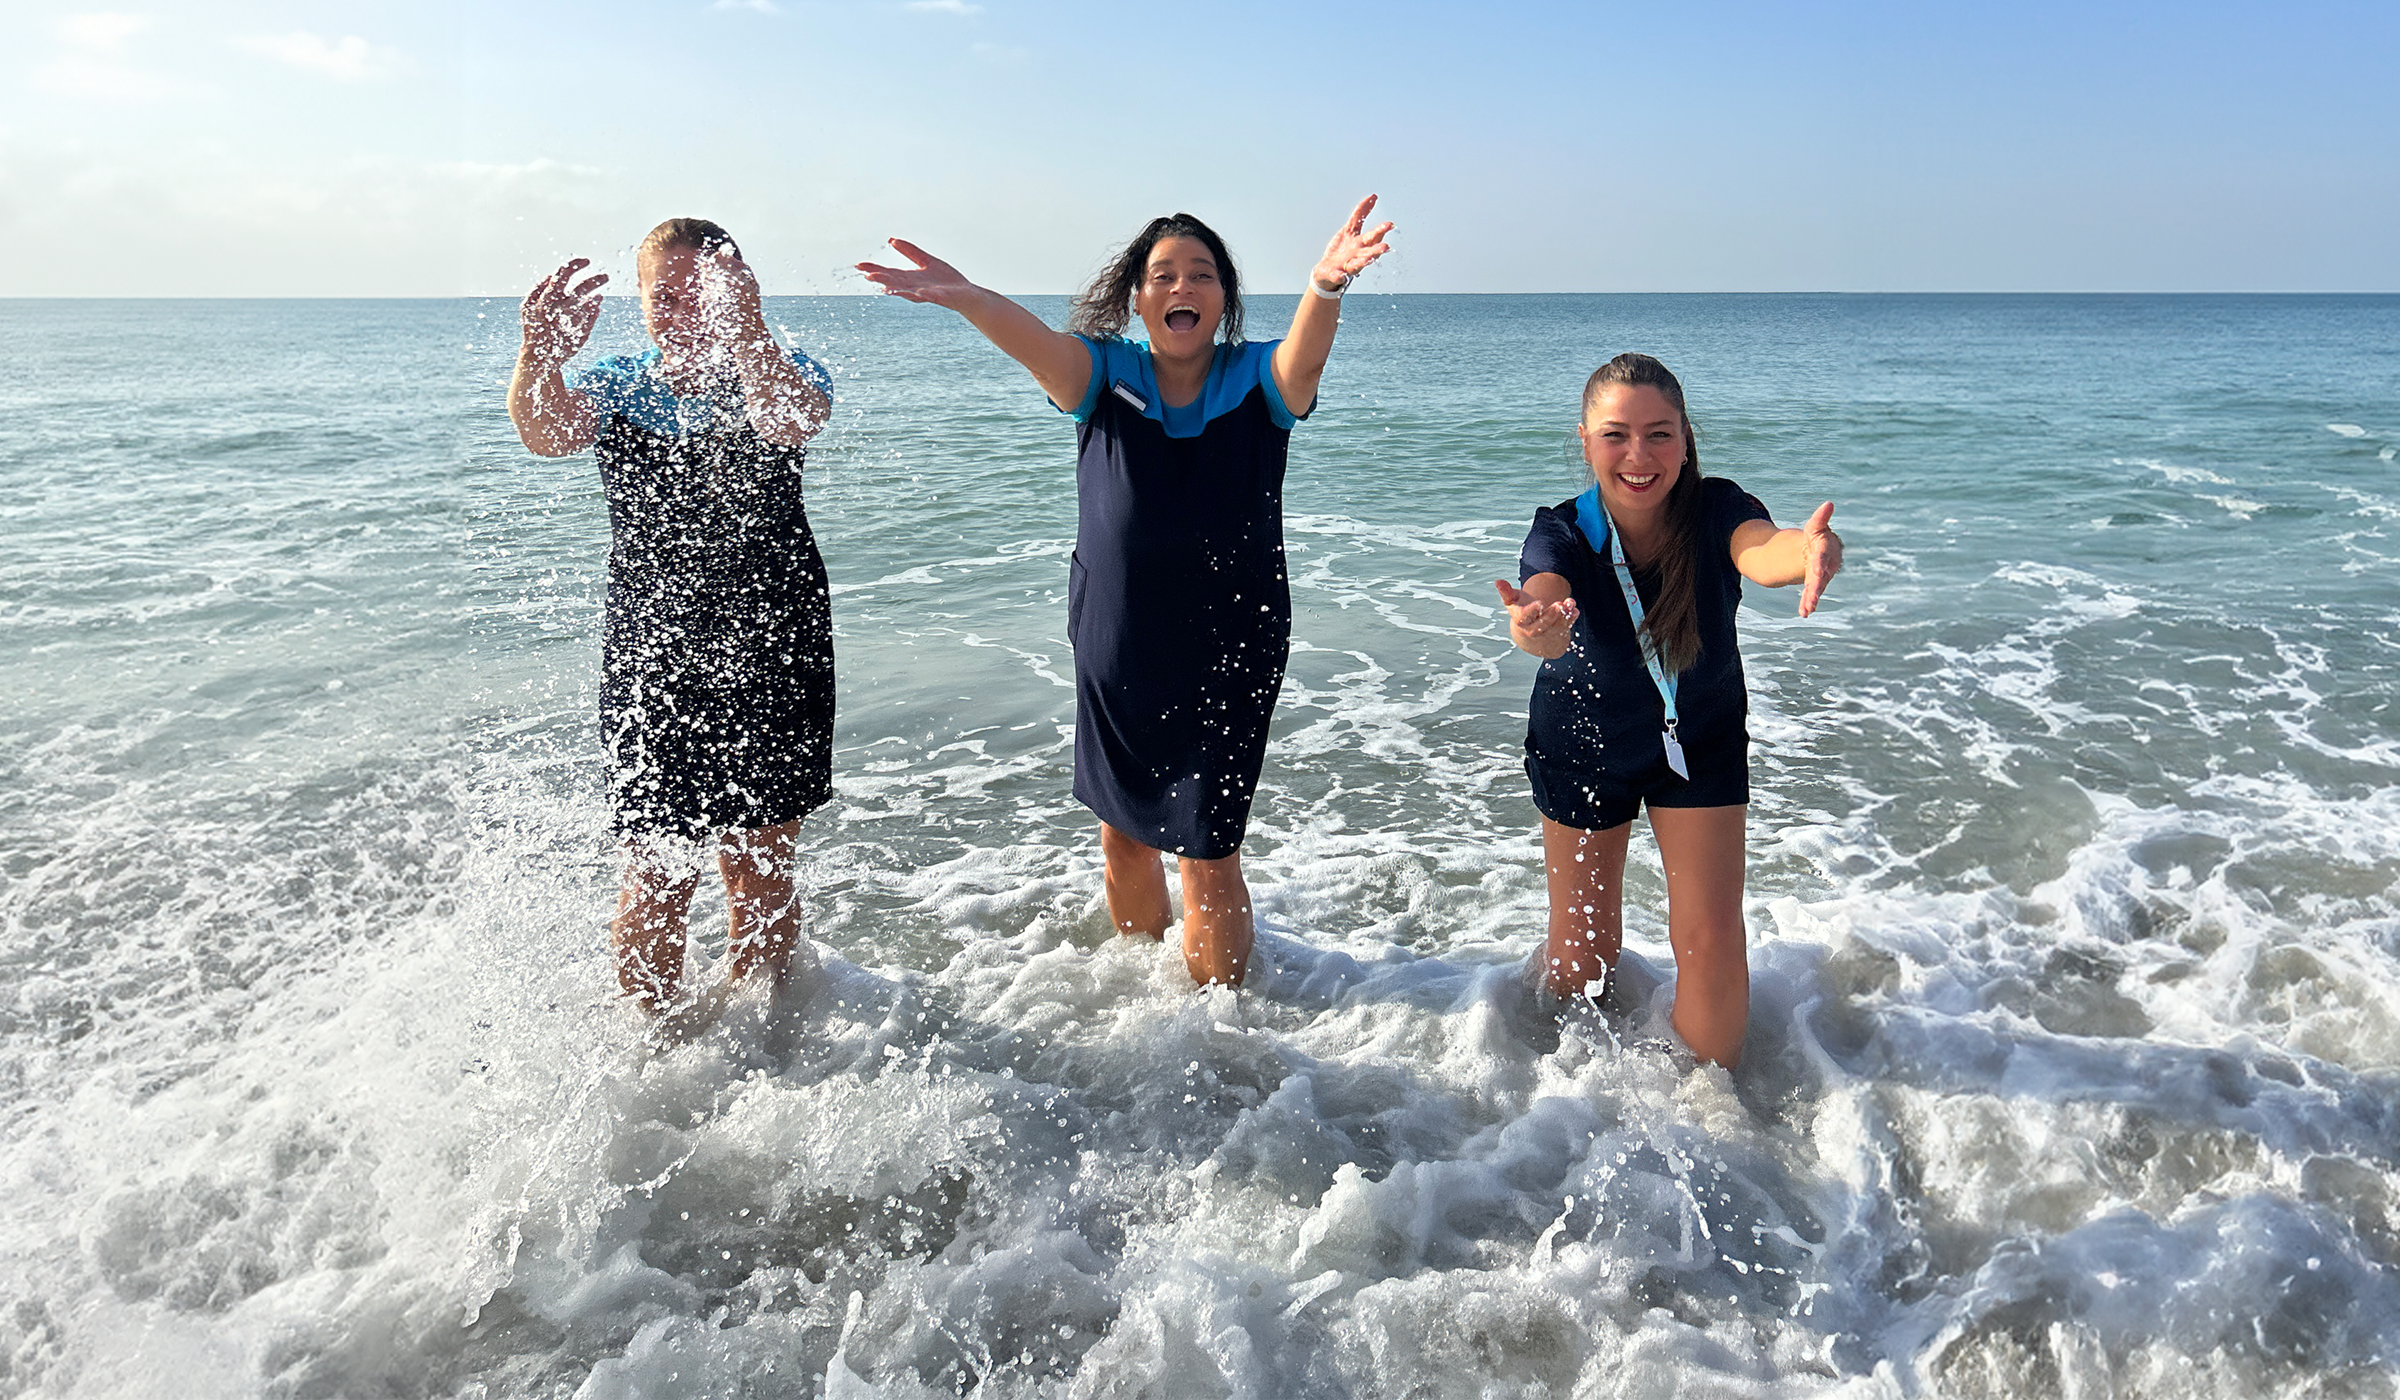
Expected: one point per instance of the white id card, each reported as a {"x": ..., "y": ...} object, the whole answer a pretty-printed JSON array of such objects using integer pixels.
[{"x": 1675, "y": 756}]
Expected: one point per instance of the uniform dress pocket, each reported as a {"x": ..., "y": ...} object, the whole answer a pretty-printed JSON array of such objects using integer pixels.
[{"x": 1077, "y": 579}]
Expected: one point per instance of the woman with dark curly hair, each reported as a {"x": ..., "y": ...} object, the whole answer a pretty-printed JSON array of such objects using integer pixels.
[{"x": 1178, "y": 607}]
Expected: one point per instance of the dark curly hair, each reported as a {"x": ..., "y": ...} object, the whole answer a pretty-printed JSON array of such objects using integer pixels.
[
  {"x": 1104, "y": 307},
  {"x": 1671, "y": 627}
]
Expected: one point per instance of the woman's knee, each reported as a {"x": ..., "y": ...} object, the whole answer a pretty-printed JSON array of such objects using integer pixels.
[{"x": 1117, "y": 847}]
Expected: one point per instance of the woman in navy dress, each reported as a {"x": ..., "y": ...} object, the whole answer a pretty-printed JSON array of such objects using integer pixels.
[
  {"x": 1178, "y": 607},
  {"x": 716, "y": 698}
]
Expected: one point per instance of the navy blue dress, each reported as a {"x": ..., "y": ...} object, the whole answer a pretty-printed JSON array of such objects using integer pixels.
[
  {"x": 716, "y": 653},
  {"x": 1177, "y": 602},
  {"x": 1592, "y": 746}
]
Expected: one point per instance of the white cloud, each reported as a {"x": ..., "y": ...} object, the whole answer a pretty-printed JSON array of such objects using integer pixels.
[
  {"x": 944, "y": 7},
  {"x": 764, "y": 7},
  {"x": 133, "y": 215},
  {"x": 348, "y": 59},
  {"x": 71, "y": 76},
  {"x": 105, "y": 33},
  {"x": 91, "y": 67}
]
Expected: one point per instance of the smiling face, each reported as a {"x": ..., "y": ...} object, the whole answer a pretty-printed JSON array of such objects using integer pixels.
[
  {"x": 1634, "y": 441},
  {"x": 1182, "y": 297}
]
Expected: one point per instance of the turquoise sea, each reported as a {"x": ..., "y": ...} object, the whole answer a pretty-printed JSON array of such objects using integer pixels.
[{"x": 2074, "y": 891}]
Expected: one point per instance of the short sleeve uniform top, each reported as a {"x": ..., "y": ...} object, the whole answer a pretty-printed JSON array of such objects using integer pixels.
[
  {"x": 717, "y": 644},
  {"x": 1177, "y": 604},
  {"x": 1596, "y": 713}
]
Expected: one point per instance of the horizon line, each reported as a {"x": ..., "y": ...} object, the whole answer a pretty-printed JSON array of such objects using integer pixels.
[{"x": 881, "y": 296}]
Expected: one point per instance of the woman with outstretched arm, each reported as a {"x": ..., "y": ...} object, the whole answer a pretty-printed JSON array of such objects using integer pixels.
[{"x": 1179, "y": 609}]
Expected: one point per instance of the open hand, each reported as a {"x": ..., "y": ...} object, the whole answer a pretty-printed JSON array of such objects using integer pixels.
[
  {"x": 931, "y": 280},
  {"x": 558, "y": 319},
  {"x": 729, "y": 297},
  {"x": 1545, "y": 629},
  {"x": 1351, "y": 249},
  {"x": 1821, "y": 554}
]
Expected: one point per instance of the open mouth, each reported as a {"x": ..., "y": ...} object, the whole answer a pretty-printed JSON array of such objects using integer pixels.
[
  {"x": 1182, "y": 318},
  {"x": 1640, "y": 483}
]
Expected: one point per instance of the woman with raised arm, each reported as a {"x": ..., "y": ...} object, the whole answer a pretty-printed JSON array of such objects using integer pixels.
[
  {"x": 1177, "y": 603},
  {"x": 716, "y": 694},
  {"x": 1628, "y": 596}
]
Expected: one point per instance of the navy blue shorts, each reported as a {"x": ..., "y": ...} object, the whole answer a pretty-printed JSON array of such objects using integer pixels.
[{"x": 1598, "y": 801}]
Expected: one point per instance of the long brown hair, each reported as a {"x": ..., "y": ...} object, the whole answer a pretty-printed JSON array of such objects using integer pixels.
[
  {"x": 1671, "y": 625},
  {"x": 1104, "y": 308}
]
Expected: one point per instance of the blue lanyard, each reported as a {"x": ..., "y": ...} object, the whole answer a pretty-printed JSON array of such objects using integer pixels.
[{"x": 1595, "y": 525}]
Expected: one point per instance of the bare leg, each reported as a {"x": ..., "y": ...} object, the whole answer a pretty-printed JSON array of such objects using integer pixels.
[
  {"x": 1587, "y": 911},
  {"x": 1702, "y": 850},
  {"x": 1217, "y": 932},
  {"x": 647, "y": 934},
  {"x": 1136, "y": 884},
  {"x": 763, "y": 901}
]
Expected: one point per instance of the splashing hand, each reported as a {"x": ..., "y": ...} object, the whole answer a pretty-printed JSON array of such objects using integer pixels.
[
  {"x": 729, "y": 298},
  {"x": 1351, "y": 249},
  {"x": 931, "y": 280},
  {"x": 558, "y": 319},
  {"x": 1821, "y": 556},
  {"x": 1544, "y": 629}
]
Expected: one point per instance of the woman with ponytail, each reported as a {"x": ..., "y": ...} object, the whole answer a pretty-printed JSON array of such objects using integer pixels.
[{"x": 1628, "y": 596}]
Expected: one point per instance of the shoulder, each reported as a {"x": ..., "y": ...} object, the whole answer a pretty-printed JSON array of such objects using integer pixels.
[
  {"x": 816, "y": 374},
  {"x": 1114, "y": 358},
  {"x": 1245, "y": 358},
  {"x": 1554, "y": 543},
  {"x": 1728, "y": 505},
  {"x": 1244, "y": 365},
  {"x": 1116, "y": 355},
  {"x": 608, "y": 374},
  {"x": 1557, "y": 517}
]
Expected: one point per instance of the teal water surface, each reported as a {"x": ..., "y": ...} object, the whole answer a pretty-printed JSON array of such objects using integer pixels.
[{"x": 2074, "y": 889}]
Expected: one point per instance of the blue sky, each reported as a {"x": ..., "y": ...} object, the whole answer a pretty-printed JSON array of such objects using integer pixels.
[{"x": 250, "y": 148}]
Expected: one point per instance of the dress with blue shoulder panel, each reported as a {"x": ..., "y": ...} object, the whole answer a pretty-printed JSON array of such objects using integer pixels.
[
  {"x": 1177, "y": 602},
  {"x": 716, "y": 654},
  {"x": 1592, "y": 746}
]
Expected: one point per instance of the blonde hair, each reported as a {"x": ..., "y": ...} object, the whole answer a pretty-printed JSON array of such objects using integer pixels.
[{"x": 699, "y": 235}]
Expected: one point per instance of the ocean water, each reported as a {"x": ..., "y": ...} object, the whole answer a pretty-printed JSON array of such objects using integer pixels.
[{"x": 2074, "y": 891}]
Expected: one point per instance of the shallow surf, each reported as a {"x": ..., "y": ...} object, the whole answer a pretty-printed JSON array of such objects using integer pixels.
[{"x": 2074, "y": 902}]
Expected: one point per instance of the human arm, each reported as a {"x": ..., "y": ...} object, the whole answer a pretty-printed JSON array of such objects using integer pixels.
[
  {"x": 1541, "y": 615},
  {"x": 1060, "y": 363},
  {"x": 551, "y": 419},
  {"x": 784, "y": 405},
  {"x": 1809, "y": 556},
  {"x": 1300, "y": 359}
]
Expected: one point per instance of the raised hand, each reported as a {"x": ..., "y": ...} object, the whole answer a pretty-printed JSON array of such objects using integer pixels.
[
  {"x": 1351, "y": 249},
  {"x": 1544, "y": 629},
  {"x": 1821, "y": 554},
  {"x": 729, "y": 297},
  {"x": 931, "y": 280},
  {"x": 557, "y": 318}
]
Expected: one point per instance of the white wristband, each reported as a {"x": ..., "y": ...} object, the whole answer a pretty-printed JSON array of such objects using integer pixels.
[{"x": 1334, "y": 295}]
